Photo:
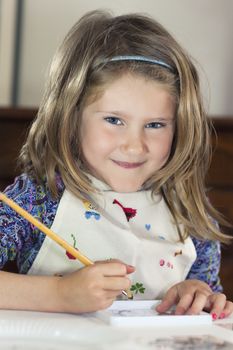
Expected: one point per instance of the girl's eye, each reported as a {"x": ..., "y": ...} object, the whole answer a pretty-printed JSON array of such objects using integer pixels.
[
  {"x": 155, "y": 125},
  {"x": 113, "y": 120}
]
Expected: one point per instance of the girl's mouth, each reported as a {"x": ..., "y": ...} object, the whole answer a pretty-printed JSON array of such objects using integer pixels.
[{"x": 128, "y": 165}]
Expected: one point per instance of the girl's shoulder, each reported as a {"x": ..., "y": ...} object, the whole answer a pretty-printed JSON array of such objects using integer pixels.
[
  {"x": 34, "y": 197},
  {"x": 206, "y": 246},
  {"x": 20, "y": 239},
  {"x": 25, "y": 184},
  {"x": 21, "y": 186}
]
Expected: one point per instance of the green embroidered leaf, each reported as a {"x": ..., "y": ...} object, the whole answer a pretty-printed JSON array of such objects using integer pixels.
[
  {"x": 137, "y": 288},
  {"x": 74, "y": 240},
  {"x": 133, "y": 288}
]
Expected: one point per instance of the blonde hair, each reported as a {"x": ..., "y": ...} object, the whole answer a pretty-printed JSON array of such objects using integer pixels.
[{"x": 80, "y": 69}]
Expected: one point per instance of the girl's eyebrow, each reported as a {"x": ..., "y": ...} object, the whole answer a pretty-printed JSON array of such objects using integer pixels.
[
  {"x": 112, "y": 112},
  {"x": 153, "y": 118},
  {"x": 163, "y": 119}
]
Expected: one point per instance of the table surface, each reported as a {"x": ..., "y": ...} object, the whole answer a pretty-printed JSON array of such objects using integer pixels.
[{"x": 24, "y": 330}]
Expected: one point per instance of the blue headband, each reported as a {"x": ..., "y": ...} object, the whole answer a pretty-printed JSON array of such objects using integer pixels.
[{"x": 139, "y": 59}]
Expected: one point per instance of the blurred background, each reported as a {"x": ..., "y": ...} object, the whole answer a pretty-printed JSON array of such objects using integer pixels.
[{"x": 30, "y": 32}]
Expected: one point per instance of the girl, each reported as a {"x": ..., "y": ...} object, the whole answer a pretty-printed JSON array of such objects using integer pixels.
[{"x": 115, "y": 164}]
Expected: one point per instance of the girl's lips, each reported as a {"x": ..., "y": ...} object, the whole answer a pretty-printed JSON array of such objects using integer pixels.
[{"x": 128, "y": 165}]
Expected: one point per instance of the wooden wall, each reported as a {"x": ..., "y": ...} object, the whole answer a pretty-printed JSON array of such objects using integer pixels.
[
  {"x": 220, "y": 183},
  {"x": 14, "y": 124}
]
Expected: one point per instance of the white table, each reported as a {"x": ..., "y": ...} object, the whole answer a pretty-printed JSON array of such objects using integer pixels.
[{"x": 22, "y": 330}]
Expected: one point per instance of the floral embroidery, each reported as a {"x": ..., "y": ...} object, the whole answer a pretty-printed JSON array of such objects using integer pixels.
[
  {"x": 161, "y": 237},
  {"x": 169, "y": 264},
  {"x": 162, "y": 262},
  {"x": 91, "y": 210},
  {"x": 137, "y": 288},
  {"x": 70, "y": 256},
  {"x": 89, "y": 214},
  {"x": 129, "y": 212},
  {"x": 179, "y": 252},
  {"x": 88, "y": 205}
]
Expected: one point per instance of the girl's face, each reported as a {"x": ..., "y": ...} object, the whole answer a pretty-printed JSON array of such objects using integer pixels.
[{"x": 126, "y": 134}]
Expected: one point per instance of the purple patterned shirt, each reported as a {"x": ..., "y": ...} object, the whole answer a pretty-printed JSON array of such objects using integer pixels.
[{"x": 20, "y": 240}]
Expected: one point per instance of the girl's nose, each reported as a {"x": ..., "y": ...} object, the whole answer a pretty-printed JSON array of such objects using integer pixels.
[{"x": 134, "y": 144}]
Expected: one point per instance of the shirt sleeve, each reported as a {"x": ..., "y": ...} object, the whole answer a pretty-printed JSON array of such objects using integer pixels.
[
  {"x": 207, "y": 264},
  {"x": 19, "y": 239},
  {"x": 14, "y": 230}
]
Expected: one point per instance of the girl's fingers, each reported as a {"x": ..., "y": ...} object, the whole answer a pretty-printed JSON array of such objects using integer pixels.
[
  {"x": 113, "y": 267},
  {"x": 112, "y": 294},
  {"x": 227, "y": 311},
  {"x": 168, "y": 301},
  {"x": 190, "y": 298},
  {"x": 218, "y": 303},
  {"x": 194, "y": 296},
  {"x": 184, "y": 304},
  {"x": 129, "y": 268},
  {"x": 199, "y": 302},
  {"x": 116, "y": 283},
  {"x": 110, "y": 268}
]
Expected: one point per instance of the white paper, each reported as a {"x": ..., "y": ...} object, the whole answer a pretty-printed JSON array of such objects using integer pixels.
[{"x": 143, "y": 313}]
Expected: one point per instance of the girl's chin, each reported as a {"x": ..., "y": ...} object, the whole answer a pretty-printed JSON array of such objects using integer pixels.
[{"x": 123, "y": 188}]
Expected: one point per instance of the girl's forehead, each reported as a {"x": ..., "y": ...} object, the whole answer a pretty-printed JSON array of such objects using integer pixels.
[
  {"x": 134, "y": 94},
  {"x": 119, "y": 80},
  {"x": 130, "y": 84},
  {"x": 127, "y": 77},
  {"x": 120, "y": 83}
]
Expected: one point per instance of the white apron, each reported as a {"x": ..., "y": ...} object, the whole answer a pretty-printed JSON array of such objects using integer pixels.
[{"x": 127, "y": 226}]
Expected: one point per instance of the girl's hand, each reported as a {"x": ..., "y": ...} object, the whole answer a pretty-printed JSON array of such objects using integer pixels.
[
  {"x": 193, "y": 296},
  {"x": 93, "y": 287}
]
